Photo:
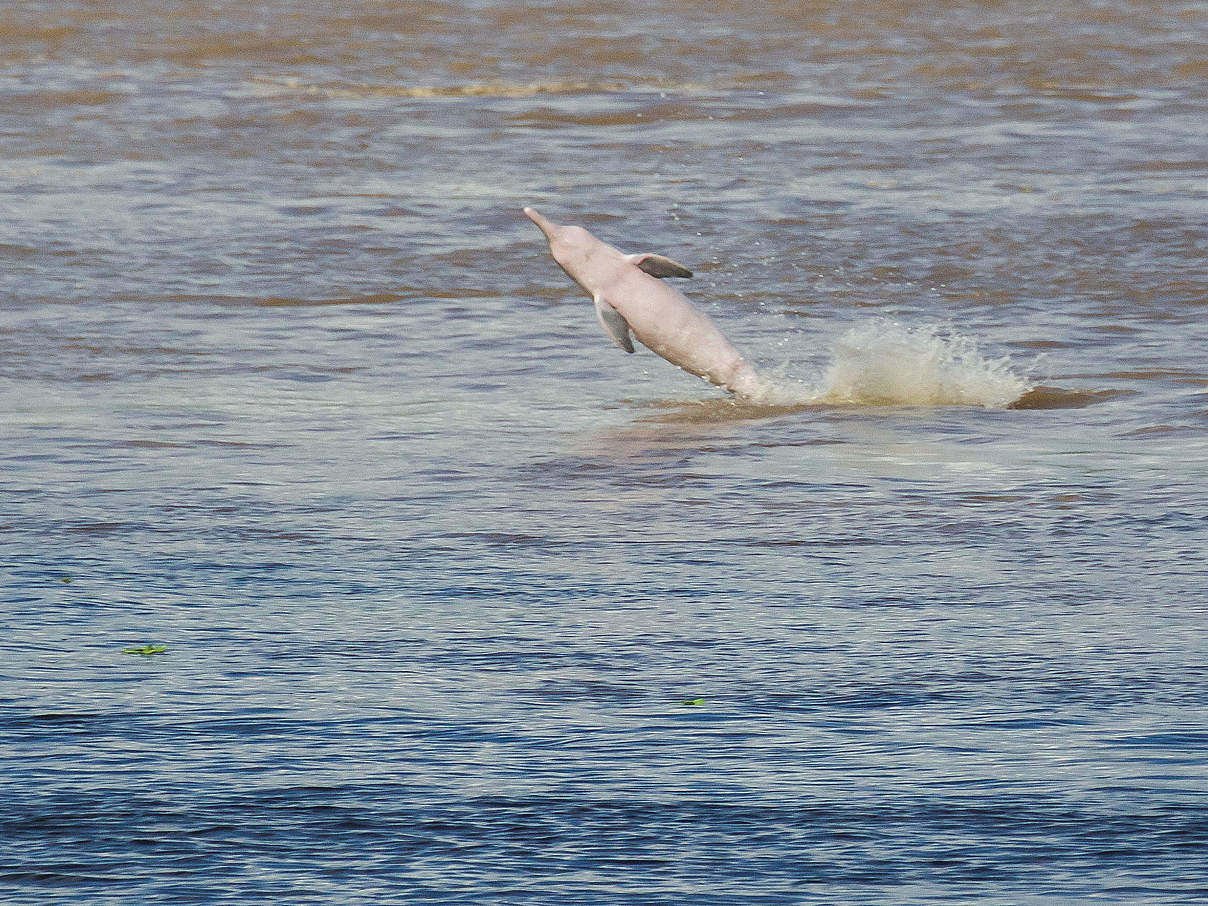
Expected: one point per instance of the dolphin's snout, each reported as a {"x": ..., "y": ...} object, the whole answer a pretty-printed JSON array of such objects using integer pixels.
[{"x": 547, "y": 226}]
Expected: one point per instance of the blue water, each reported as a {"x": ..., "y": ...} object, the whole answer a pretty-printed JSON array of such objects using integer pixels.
[{"x": 459, "y": 603}]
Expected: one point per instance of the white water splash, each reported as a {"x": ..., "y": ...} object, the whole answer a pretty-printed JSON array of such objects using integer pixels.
[{"x": 884, "y": 363}]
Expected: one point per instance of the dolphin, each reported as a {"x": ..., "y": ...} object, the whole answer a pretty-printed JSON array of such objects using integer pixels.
[{"x": 632, "y": 302}]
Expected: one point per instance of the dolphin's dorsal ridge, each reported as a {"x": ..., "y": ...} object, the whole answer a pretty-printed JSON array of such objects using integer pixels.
[
  {"x": 660, "y": 265},
  {"x": 617, "y": 326}
]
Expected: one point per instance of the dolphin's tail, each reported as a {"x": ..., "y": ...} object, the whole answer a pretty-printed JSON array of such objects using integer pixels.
[{"x": 746, "y": 384}]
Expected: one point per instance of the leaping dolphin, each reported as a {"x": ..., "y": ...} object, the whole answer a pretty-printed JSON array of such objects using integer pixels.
[{"x": 630, "y": 300}]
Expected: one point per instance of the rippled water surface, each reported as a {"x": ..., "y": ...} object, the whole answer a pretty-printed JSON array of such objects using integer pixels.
[{"x": 459, "y": 603}]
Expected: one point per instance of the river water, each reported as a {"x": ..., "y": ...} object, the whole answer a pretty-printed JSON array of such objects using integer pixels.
[{"x": 458, "y": 603}]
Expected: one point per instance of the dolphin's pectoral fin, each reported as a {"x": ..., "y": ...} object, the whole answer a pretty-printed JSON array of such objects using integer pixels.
[
  {"x": 617, "y": 327},
  {"x": 659, "y": 265}
]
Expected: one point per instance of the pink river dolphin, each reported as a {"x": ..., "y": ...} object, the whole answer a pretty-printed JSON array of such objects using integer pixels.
[{"x": 630, "y": 299}]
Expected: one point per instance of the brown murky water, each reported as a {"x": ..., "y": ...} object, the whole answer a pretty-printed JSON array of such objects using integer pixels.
[{"x": 462, "y": 604}]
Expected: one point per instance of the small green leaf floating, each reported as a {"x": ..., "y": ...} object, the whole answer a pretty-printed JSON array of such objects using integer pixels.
[
  {"x": 66, "y": 580},
  {"x": 146, "y": 649},
  {"x": 693, "y": 702}
]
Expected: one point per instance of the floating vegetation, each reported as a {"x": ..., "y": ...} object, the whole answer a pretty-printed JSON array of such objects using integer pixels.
[
  {"x": 145, "y": 649},
  {"x": 692, "y": 702}
]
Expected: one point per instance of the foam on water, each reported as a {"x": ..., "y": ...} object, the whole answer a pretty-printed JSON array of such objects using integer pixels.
[{"x": 885, "y": 363}]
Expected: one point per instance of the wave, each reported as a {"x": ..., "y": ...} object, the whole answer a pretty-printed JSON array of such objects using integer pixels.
[
  {"x": 885, "y": 363},
  {"x": 888, "y": 364},
  {"x": 270, "y": 86}
]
